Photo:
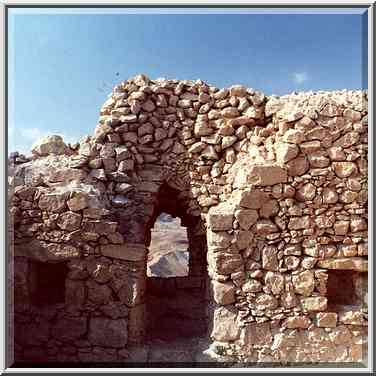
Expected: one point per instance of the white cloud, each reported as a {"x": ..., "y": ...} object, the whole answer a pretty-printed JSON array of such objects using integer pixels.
[{"x": 300, "y": 77}]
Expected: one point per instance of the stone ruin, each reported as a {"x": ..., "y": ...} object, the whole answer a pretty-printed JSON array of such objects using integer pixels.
[{"x": 272, "y": 191}]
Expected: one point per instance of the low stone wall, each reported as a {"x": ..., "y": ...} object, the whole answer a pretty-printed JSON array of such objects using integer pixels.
[{"x": 278, "y": 185}]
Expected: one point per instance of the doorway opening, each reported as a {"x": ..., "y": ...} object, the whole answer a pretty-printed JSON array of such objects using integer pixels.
[{"x": 177, "y": 299}]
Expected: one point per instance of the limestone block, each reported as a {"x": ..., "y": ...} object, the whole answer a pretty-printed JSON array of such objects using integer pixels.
[
  {"x": 225, "y": 324},
  {"x": 128, "y": 251},
  {"x": 49, "y": 145},
  {"x": 285, "y": 151},
  {"x": 269, "y": 258},
  {"x": 221, "y": 217},
  {"x": 250, "y": 198},
  {"x": 246, "y": 217},
  {"x": 351, "y": 263},
  {"x": 304, "y": 283},
  {"x": 258, "y": 334},
  {"x": 223, "y": 262},
  {"x": 326, "y": 319},
  {"x": 54, "y": 202},
  {"x": 315, "y": 303},
  {"x": 302, "y": 322},
  {"x": 260, "y": 175},
  {"x": 275, "y": 281},
  {"x": 224, "y": 293},
  {"x": 69, "y": 221}
]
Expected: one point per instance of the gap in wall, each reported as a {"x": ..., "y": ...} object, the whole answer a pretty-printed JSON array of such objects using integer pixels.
[
  {"x": 346, "y": 289},
  {"x": 47, "y": 282}
]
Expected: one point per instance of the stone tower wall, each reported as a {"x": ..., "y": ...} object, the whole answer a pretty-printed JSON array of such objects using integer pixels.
[{"x": 278, "y": 185}]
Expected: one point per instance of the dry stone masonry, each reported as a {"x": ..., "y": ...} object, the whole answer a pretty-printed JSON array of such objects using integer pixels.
[{"x": 272, "y": 190}]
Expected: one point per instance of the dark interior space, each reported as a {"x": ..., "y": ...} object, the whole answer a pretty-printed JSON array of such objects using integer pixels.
[
  {"x": 346, "y": 288},
  {"x": 176, "y": 307},
  {"x": 47, "y": 282}
]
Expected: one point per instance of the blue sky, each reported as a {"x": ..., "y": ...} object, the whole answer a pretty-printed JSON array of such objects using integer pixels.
[{"x": 63, "y": 66}]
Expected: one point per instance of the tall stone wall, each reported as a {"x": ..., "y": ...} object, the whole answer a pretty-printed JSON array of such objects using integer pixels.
[{"x": 278, "y": 185}]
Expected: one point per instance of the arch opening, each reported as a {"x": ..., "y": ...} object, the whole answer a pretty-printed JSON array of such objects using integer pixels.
[{"x": 176, "y": 306}]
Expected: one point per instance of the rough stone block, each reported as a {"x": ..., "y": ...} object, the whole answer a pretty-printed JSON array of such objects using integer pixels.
[
  {"x": 221, "y": 217},
  {"x": 129, "y": 252},
  {"x": 225, "y": 324}
]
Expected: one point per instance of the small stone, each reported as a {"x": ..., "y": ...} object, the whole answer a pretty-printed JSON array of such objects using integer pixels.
[
  {"x": 306, "y": 193},
  {"x": 296, "y": 322},
  {"x": 285, "y": 151},
  {"x": 344, "y": 169},
  {"x": 69, "y": 221},
  {"x": 294, "y": 136},
  {"x": 304, "y": 283},
  {"x": 326, "y": 319},
  {"x": 317, "y": 303},
  {"x": 79, "y": 201}
]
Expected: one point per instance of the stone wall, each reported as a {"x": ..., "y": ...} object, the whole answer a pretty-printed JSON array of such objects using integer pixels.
[{"x": 276, "y": 185}]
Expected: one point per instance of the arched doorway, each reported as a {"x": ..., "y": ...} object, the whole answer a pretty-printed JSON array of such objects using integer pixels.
[{"x": 176, "y": 306}]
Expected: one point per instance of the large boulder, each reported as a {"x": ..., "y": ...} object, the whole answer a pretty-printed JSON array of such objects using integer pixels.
[{"x": 49, "y": 145}]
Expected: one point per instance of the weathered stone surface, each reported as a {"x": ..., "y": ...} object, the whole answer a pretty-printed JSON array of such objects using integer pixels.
[
  {"x": 136, "y": 325},
  {"x": 224, "y": 324},
  {"x": 302, "y": 322},
  {"x": 316, "y": 303},
  {"x": 353, "y": 263},
  {"x": 297, "y": 166},
  {"x": 75, "y": 292},
  {"x": 224, "y": 293},
  {"x": 130, "y": 252},
  {"x": 246, "y": 218},
  {"x": 352, "y": 318},
  {"x": 250, "y": 198},
  {"x": 49, "y": 145},
  {"x": 304, "y": 283},
  {"x": 79, "y": 201},
  {"x": 108, "y": 333},
  {"x": 269, "y": 258},
  {"x": 44, "y": 251},
  {"x": 53, "y": 202},
  {"x": 69, "y": 221},
  {"x": 260, "y": 175},
  {"x": 344, "y": 169},
  {"x": 258, "y": 334},
  {"x": 219, "y": 239},
  {"x": 221, "y": 217},
  {"x": 326, "y": 319},
  {"x": 275, "y": 281},
  {"x": 285, "y": 151},
  {"x": 224, "y": 262},
  {"x": 265, "y": 301}
]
